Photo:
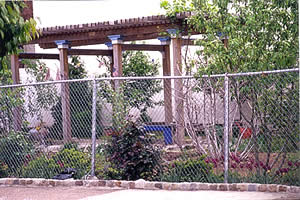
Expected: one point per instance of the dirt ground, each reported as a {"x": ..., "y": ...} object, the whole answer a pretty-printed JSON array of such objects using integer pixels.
[{"x": 47, "y": 193}]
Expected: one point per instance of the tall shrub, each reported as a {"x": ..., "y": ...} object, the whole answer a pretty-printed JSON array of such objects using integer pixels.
[{"x": 132, "y": 152}]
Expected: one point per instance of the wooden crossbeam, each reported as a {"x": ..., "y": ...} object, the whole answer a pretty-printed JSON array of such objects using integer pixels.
[
  {"x": 84, "y": 42},
  {"x": 143, "y": 47},
  {"x": 190, "y": 42},
  {"x": 38, "y": 56},
  {"x": 90, "y": 52}
]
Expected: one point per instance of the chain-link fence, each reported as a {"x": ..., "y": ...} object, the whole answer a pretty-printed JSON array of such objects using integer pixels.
[{"x": 222, "y": 128}]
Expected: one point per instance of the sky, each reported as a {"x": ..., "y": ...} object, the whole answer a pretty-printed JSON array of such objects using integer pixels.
[{"x": 59, "y": 13}]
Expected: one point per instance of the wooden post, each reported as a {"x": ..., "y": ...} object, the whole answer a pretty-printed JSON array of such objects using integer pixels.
[
  {"x": 167, "y": 82},
  {"x": 118, "y": 115},
  {"x": 63, "y": 46},
  {"x": 17, "y": 118},
  {"x": 117, "y": 70},
  {"x": 178, "y": 85},
  {"x": 111, "y": 58}
]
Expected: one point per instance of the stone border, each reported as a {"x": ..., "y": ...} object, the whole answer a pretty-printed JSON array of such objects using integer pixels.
[{"x": 142, "y": 184}]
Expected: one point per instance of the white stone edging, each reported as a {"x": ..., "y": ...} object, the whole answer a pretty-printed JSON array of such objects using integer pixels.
[{"x": 148, "y": 185}]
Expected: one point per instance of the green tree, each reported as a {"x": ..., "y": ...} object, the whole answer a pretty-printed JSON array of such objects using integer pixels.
[
  {"x": 137, "y": 93},
  {"x": 43, "y": 97},
  {"x": 243, "y": 36},
  {"x": 263, "y": 35},
  {"x": 14, "y": 31}
]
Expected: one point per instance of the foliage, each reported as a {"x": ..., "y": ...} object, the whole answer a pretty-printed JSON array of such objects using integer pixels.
[
  {"x": 14, "y": 150},
  {"x": 77, "y": 68},
  {"x": 105, "y": 169},
  {"x": 41, "y": 167},
  {"x": 137, "y": 93},
  {"x": 47, "y": 166},
  {"x": 190, "y": 170},
  {"x": 5, "y": 73},
  {"x": 14, "y": 31},
  {"x": 133, "y": 153},
  {"x": 10, "y": 99},
  {"x": 286, "y": 176},
  {"x": 70, "y": 145},
  {"x": 43, "y": 96},
  {"x": 3, "y": 170},
  {"x": 263, "y": 35},
  {"x": 80, "y": 103},
  {"x": 72, "y": 158},
  {"x": 243, "y": 36}
]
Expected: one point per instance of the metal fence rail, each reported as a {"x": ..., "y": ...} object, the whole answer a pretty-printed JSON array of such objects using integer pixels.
[{"x": 221, "y": 128}]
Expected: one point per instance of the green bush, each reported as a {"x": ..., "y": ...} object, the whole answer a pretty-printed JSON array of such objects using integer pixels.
[
  {"x": 72, "y": 158},
  {"x": 274, "y": 143},
  {"x": 14, "y": 150},
  {"x": 292, "y": 177},
  {"x": 132, "y": 152},
  {"x": 190, "y": 171},
  {"x": 105, "y": 169},
  {"x": 41, "y": 167},
  {"x": 47, "y": 167},
  {"x": 70, "y": 145},
  {"x": 3, "y": 170}
]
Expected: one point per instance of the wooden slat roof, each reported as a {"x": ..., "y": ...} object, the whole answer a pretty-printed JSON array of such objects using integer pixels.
[{"x": 142, "y": 28}]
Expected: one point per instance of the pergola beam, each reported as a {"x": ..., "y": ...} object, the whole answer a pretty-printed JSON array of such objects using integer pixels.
[
  {"x": 143, "y": 47},
  {"x": 189, "y": 42},
  {"x": 129, "y": 34},
  {"x": 85, "y": 42},
  {"x": 39, "y": 56},
  {"x": 90, "y": 52}
]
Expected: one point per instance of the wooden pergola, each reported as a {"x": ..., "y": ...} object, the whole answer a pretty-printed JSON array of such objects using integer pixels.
[{"x": 113, "y": 34}]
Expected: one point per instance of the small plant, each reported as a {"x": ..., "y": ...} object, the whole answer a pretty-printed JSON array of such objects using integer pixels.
[
  {"x": 70, "y": 145},
  {"x": 49, "y": 166},
  {"x": 190, "y": 170},
  {"x": 105, "y": 169},
  {"x": 41, "y": 167},
  {"x": 14, "y": 150},
  {"x": 132, "y": 152},
  {"x": 3, "y": 170},
  {"x": 72, "y": 158}
]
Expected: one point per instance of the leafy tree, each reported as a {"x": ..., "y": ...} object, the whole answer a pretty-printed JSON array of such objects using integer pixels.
[
  {"x": 43, "y": 97},
  {"x": 14, "y": 31},
  {"x": 137, "y": 93},
  {"x": 263, "y": 35},
  {"x": 243, "y": 36},
  {"x": 132, "y": 154}
]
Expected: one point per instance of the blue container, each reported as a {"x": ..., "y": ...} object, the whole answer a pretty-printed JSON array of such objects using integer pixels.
[{"x": 167, "y": 132}]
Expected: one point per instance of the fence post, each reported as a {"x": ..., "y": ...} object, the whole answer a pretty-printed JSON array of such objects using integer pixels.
[
  {"x": 94, "y": 113},
  {"x": 226, "y": 127}
]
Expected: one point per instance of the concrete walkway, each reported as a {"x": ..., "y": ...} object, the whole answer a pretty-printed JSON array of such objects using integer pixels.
[
  {"x": 83, "y": 193},
  {"x": 191, "y": 195}
]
